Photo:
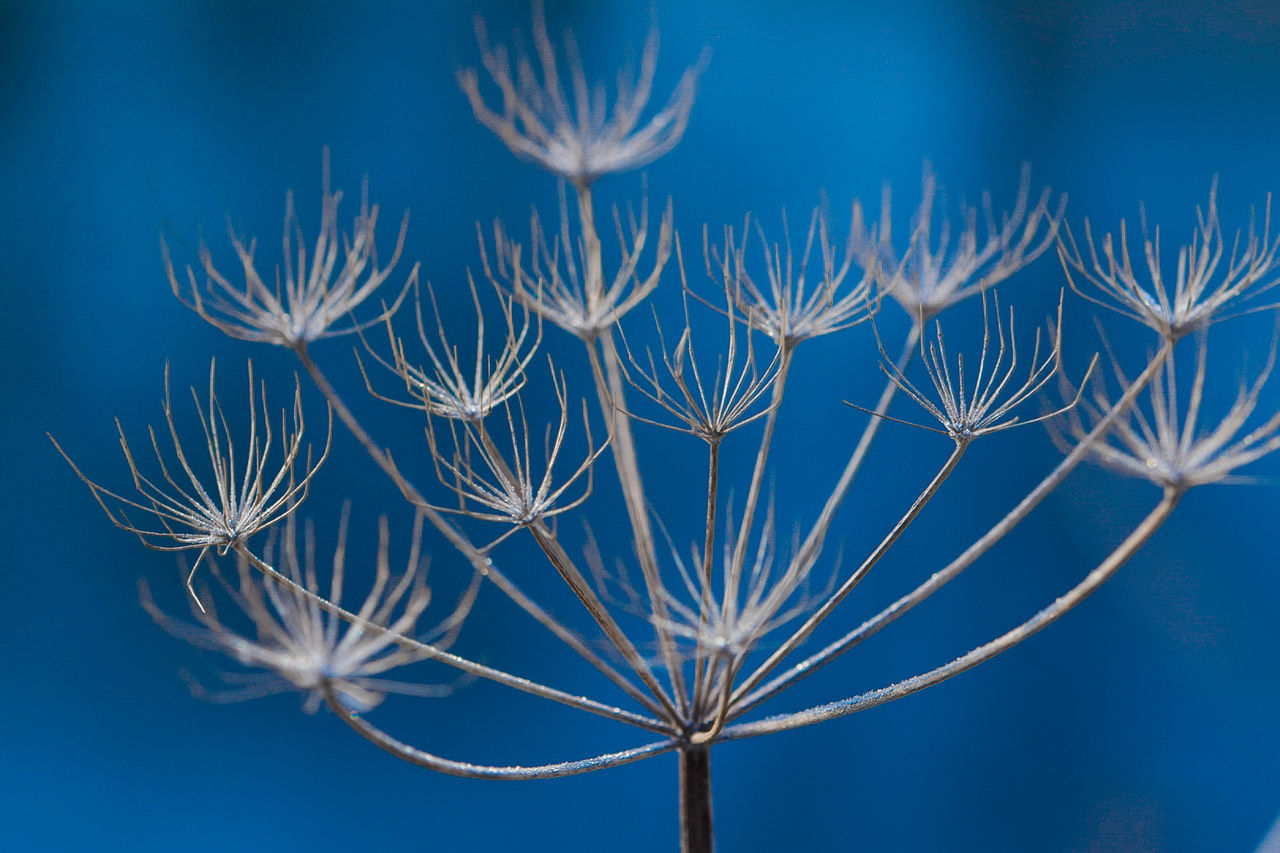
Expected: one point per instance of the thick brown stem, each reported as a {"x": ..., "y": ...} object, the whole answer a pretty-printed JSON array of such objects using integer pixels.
[{"x": 695, "y": 801}]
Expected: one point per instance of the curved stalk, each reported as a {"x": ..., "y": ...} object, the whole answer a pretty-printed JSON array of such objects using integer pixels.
[
  {"x": 467, "y": 770},
  {"x": 478, "y": 559},
  {"x": 1009, "y": 639},
  {"x": 812, "y": 546},
  {"x": 825, "y": 610},
  {"x": 974, "y": 551},
  {"x": 730, "y": 671},
  {"x": 434, "y": 653},
  {"x": 556, "y": 554}
]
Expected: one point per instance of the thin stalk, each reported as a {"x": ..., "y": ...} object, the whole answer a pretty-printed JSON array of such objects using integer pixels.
[
  {"x": 480, "y": 561},
  {"x": 695, "y": 801},
  {"x": 569, "y": 572},
  {"x": 812, "y": 546},
  {"x": 974, "y": 551},
  {"x": 1009, "y": 639},
  {"x": 729, "y": 673},
  {"x": 573, "y": 577},
  {"x": 416, "y": 756},
  {"x": 733, "y": 572},
  {"x": 713, "y": 487},
  {"x": 612, "y": 399},
  {"x": 435, "y": 653},
  {"x": 830, "y": 604},
  {"x": 609, "y": 388},
  {"x": 593, "y": 256}
]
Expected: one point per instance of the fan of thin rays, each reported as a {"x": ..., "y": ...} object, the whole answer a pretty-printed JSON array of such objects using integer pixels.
[
  {"x": 794, "y": 305},
  {"x": 1196, "y": 301},
  {"x": 709, "y": 411},
  {"x": 1168, "y": 444},
  {"x": 556, "y": 284},
  {"x": 246, "y": 496},
  {"x": 929, "y": 276},
  {"x": 966, "y": 410},
  {"x": 733, "y": 626},
  {"x": 449, "y": 388},
  {"x": 726, "y": 625},
  {"x": 304, "y": 647},
  {"x": 581, "y": 137},
  {"x": 498, "y": 484},
  {"x": 315, "y": 294}
]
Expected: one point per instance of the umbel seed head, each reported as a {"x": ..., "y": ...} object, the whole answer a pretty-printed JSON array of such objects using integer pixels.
[{"x": 572, "y": 131}]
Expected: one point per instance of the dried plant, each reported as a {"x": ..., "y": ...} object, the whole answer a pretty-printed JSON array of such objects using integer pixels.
[
  {"x": 933, "y": 274},
  {"x": 315, "y": 295},
  {"x": 791, "y": 308},
  {"x": 1197, "y": 299},
  {"x": 732, "y": 399},
  {"x": 1170, "y": 446},
  {"x": 447, "y": 390},
  {"x": 302, "y": 647},
  {"x": 565, "y": 283},
  {"x": 233, "y": 502},
  {"x": 498, "y": 483},
  {"x": 574, "y": 134},
  {"x": 966, "y": 411},
  {"x": 724, "y": 622}
]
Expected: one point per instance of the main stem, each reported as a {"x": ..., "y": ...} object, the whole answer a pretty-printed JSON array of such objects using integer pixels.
[
  {"x": 695, "y": 800},
  {"x": 606, "y": 369}
]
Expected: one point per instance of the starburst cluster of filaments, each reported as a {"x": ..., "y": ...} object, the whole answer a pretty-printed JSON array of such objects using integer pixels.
[
  {"x": 300, "y": 646},
  {"x": 223, "y": 509},
  {"x": 724, "y": 622},
  {"x": 967, "y": 410},
  {"x": 320, "y": 289},
  {"x": 1208, "y": 286}
]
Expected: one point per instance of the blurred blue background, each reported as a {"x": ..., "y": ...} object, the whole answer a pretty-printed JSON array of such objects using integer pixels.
[{"x": 1144, "y": 721}]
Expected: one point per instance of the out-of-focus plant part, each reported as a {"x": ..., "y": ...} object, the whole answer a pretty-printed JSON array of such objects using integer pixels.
[
  {"x": 1165, "y": 439},
  {"x": 317, "y": 293},
  {"x": 572, "y": 131},
  {"x": 299, "y": 646},
  {"x": 1205, "y": 290},
  {"x": 935, "y": 273}
]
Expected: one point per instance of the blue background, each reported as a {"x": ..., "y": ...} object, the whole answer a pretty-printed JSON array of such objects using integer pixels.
[{"x": 1145, "y": 720}]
